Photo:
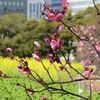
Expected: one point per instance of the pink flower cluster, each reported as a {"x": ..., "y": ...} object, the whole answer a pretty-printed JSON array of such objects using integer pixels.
[
  {"x": 88, "y": 71},
  {"x": 22, "y": 67},
  {"x": 51, "y": 14},
  {"x": 54, "y": 40},
  {"x": 36, "y": 54}
]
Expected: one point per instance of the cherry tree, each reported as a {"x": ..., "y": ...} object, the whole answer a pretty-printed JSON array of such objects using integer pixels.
[{"x": 53, "y": 43}]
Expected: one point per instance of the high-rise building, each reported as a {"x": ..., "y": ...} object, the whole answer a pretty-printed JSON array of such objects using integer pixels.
[
  {"x": 31, "y": 8},
  {"x": 10, "y": 6},
  {"x": 34, "y": 8},
  {"x": 80, "y": 5}
]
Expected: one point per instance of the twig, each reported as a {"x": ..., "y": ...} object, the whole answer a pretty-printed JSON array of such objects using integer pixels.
[{"x": 47, "y": 71}]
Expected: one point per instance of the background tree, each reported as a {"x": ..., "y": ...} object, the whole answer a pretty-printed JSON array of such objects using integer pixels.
[{"x": 91, "y": 18}]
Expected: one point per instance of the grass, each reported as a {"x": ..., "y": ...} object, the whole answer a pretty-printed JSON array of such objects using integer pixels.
[{"x": 9, "y": 90}]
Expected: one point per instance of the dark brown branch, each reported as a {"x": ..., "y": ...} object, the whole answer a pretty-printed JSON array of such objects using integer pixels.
[
  {"x": 47, "y": 71},
  {"x": 98, "y": 12}
]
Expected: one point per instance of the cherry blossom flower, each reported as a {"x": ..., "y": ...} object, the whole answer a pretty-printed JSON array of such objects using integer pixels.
[
  {"x": 53, "y": 58},
  {"x": 9, "y": 50},
  {"x": 98, "y": 47},
  {"x": 30, "y": 91},
  {"x": 36, "y": 55},
  {"x": 61, "y": 27},
  {"x": 47, "y": 39},
  {"x": 64, "y": 4},
  {"x": 81, "y": 43},
  {"x": 51, "y": 16},
  {"x": 27, "y": 71},
  {"x": 46, "y": 6},
  {"x": 36, "y": 44},
  {"x": 86, "y": 63},
  {"x": 63, "y": 68},
  {"x": 56, "y": 44},
  {"x": 59, "y": 17},
  {"x": 20, "y": 68},
  {"x": 88, "y": 73},
  {"x": 47, "y": 18},
  {"x": 43, "y": 98}
]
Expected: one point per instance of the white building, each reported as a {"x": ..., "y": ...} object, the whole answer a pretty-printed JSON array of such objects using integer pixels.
[
  {"x": 80, "y": 5},
  {"x": 34, "y": 8}
]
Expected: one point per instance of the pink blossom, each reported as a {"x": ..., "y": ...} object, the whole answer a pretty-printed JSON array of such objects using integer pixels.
[
  {"x": 36, "y": 55},
  {"x": 51, "y": 16},
  {"x": 47, "y": 18},
  {"x": 20, "y": 68},
  {"x": 36, "y": 44},
  {"x": 64, "y": 4},
  {"x": 43, "y": 98},
  {"x": 91, "y": 71},
  {"x": 47, "y": 40},
  {"x": 86, "y": 63},
  {"x": 53, "y": 58},
  {"x": 92, "y": 52},
  {"x": 27, "y": 71},
  {"x": 63, "y": 68},
  {"x": 46, "y": 6},
  {"x": 56, "y": 44},
  {"x": 94, "y": 27},
  {"x": 9, "y": 50},
  {"x": 59, "y": 17},
  {"x": 98, "y": 48},
  {"x": 59, "y": 44},
  {"x": 79, "y": 48},
  {"x": 53, "y": 44},
  {"x": 81, "y": 43},
  {"x": 61, "y": 27},
  {"x": 86, "y": 74},
  {"x": 30, "y": 91},
  {"x": 91, "y": 38}
]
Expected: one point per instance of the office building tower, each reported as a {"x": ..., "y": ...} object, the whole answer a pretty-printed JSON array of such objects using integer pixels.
[
  {"x": 31, "y": 8},
  {"x": 13, "y": 6}
]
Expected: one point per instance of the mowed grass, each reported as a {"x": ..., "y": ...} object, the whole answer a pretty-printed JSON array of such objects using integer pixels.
[{"x": 9, "y": 90}]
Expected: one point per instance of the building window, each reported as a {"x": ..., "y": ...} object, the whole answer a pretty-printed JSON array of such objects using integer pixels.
[
  {"x": 13, "y": 9},
  {"x": 18, "y": 3},
  {"x": 33, "y": 7},
  {"x": 5, "y": 3},
  {"x": 9, "y": 9},
  {"x": 0, "y": 8},
  {"x": 5, "y": 9},
  {"x": 17, "y": 9},
  {"x": 13, "y": 3},
  {"x": 9, "y": 3},
  {"x": 0, "y": 2},
  {"x": 22, "y": 10},
  {"x": 22, "y": 3}
]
